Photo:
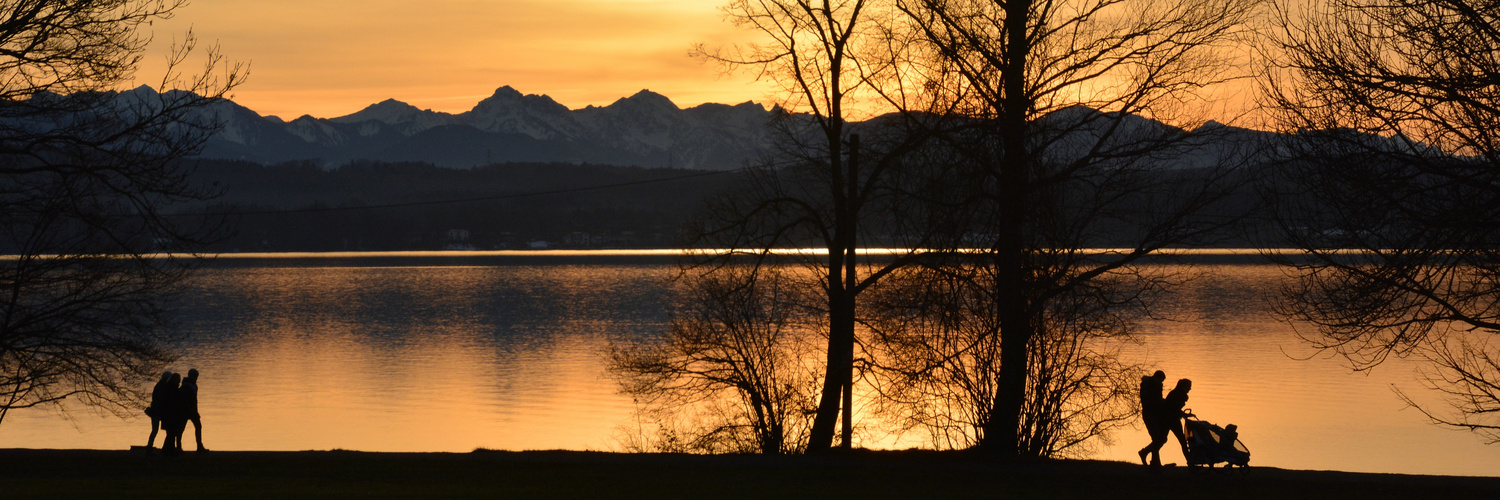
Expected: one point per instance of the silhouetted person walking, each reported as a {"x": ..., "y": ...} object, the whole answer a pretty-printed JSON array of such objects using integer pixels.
[
  {"x": 1151, "y": 415},
  {"x": 190, "y": 408},
  {"x": 159, "y": 398},
  {"x": 1172, "y": 413},
  {"x": 173, "y": 418}
]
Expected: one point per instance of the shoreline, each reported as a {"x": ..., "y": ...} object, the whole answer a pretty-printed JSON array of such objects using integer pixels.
[{"x": 45, "y": 473}]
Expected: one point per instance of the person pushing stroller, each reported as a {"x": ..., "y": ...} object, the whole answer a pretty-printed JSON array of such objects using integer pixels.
[{"x": 1162, "y": 414}]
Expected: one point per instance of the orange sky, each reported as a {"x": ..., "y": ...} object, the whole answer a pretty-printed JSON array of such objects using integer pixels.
[{"x": 330, "y": 58}]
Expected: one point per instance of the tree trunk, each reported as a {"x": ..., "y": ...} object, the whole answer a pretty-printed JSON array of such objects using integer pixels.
[
  {"x": 1003, "y": 432},
  {"x": 840, "y": 365},
  {"x": 840, "y": 356}
]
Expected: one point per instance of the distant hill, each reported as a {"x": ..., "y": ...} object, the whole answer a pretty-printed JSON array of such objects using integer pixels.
[
  {"x": 363, "y": 205},
  {"x": 645, "y": 129}
]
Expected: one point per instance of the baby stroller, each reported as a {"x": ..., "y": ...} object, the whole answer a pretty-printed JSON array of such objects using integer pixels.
[{"x": 1209, "y": 444}]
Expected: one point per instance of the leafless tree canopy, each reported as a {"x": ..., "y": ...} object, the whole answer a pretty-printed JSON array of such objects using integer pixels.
[
  {"x": 85, "y": 172},
  {"x": 732, "y": 374},
  {"x": 823, "y": 190},
  {"x": 1048, "y": 99},
  {"x": 1392, "y": 183},
  {"x": 939, "y": 356},
  {"x": 1017, "y": 140}
]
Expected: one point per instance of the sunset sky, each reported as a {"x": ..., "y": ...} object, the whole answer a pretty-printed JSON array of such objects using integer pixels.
[{"x": 330, "y": 58}]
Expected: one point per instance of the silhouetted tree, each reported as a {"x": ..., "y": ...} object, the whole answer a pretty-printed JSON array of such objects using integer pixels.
[
  {"x": 939, "y": 340},
  {"x": 1022, "y": 136},
  {"x": 1048, "y": 99},
  {"x": 822, "y": 190},
  {"x": 1391, "y": 186},
  {"x": 733, "y": 365},
  {"x": 84, "y": 175}
]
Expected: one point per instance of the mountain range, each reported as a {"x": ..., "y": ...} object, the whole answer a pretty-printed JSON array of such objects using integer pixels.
[{"x": 646, "y": 129}]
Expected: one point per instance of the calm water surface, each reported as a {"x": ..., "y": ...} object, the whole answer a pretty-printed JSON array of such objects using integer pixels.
[{"x": 339, "y": 353}]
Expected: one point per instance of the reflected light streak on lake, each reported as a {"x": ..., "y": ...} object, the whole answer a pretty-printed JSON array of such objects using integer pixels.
[
  {"x": 627, "y": 253},
  {"x": 1247, "y": 370},
  {"x": 509, "y": 356},
  {"x": 396, "y": 359}
]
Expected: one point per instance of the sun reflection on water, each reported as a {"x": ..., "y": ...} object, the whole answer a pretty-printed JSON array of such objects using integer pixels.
[{"x": 451, "y": 358}]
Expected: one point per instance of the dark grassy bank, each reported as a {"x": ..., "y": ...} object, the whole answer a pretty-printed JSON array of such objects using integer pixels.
[{"x": 556, "y": 474}]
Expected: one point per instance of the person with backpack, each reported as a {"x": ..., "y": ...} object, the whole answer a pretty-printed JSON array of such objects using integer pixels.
[{"x": 1151, "y": 415}]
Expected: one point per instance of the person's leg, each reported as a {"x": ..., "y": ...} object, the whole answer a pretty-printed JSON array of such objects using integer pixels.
[
  {"x": 198, "y": 431},
  {"x": 169, "y": 439},
  {"x": 1143, "y": 451},
  {"x": 155, "y": 424},
  {"x": 1181, "y": 439},
  {"x": 176, "y": 435},
  {"x": 1158, "y": 439}
]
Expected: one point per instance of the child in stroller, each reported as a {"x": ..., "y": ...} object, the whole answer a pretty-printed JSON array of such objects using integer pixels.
[{"x": 1209, "y": 444}]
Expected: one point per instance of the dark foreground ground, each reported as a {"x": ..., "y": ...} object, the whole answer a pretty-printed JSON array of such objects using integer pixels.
[{"x": 558, "y": 474}]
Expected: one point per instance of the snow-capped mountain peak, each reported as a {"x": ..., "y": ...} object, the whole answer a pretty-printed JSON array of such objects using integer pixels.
[
  {"x": 394, "y": 114},
  {"x": 510, "y": 112},
  {"x": 389, "y": 111},
  {"x": 645, "y": 99},
  {"x": 645, "y": 129}
]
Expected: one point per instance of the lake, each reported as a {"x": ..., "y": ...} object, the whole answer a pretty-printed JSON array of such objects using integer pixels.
[{"x": 451, "y": 352}]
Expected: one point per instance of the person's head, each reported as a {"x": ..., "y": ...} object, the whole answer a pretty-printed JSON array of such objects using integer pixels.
[
  {"x": 166, "y": 375},
  {"x": 192, "y": 374},
  {"x": 1159, "y": 376},
  {"x": 1185, "y": 385},
  {"x": 176, "y": 379}
]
